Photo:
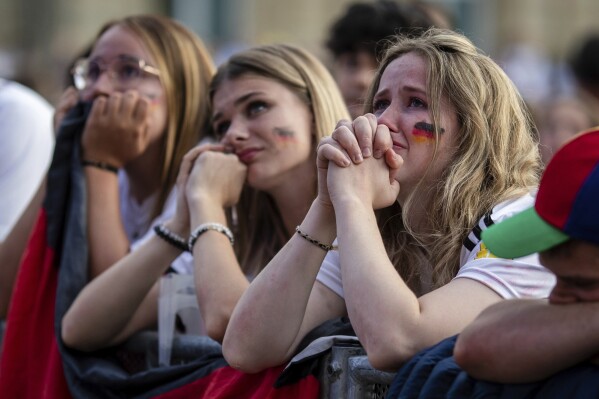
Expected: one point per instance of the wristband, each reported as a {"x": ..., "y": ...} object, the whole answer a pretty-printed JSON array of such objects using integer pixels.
[
  {"x": 201, "y": 229},
  {"x": 314, "y": 241},
  {"x": 100, "y": 165},
  {"x": 174, "y": 239}
]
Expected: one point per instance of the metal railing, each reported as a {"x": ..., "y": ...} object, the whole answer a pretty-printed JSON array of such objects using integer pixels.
[{"x": 344, "y": 372}]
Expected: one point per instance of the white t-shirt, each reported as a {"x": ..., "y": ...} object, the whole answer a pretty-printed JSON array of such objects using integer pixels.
[
  {"x": 26, "y": 148},
  {"x": 510, "y": 278},
  {"x": 139, "y": 227}
]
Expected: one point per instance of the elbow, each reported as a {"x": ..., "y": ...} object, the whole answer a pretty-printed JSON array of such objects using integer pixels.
[
  {"x": 239, "y": 358},
  {"x": 389, "y": 354},
  {"x": 244, "y": 354},
  {"x": 73, "y": 337},
  {"x": 471, "y": 353}
]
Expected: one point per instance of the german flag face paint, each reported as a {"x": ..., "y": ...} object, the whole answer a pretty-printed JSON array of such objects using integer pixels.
[
  {"x": 424, "y": 132},
  {"x": 283, "y": 134}
]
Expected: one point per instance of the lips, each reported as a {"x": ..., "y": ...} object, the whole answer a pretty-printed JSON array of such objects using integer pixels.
[
  {"x": 247, "y": 154},
  {"x": 398, "y": 146}
]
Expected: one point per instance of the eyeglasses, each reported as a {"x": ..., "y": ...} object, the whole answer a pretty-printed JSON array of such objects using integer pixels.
[{"x": 125, "y": 71}]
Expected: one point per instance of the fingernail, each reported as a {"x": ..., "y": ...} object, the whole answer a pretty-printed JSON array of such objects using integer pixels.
[
  {"x": 366, "y": 152},
  {"x": 346, "y": 162},
  {"x": 358, "y": 157},
  {"x": 378, "y": 153}
]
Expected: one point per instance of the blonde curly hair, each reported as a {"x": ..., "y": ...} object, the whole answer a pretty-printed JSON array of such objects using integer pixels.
[{"x": 496, "y": 158}]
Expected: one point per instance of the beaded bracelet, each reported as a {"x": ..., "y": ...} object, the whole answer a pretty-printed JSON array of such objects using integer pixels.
[
  {"x": 100, "y": 165},
  {"x": 314, "y": 241},
  {"x": 201, "y": 229},
  {"x": 174, "y": 239}
]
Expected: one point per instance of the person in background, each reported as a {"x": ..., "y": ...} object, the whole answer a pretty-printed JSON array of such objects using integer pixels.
[
  {"x": 561, "y": 119},
  {"x": 421, "y": 273},
  {"x": 584, "y": 64},
  {"x": 25, "y": 155},
  {"x": 523, "y": 341},
  {"x": 356, "y": 41},
  {"x": 243, "y": 197}
]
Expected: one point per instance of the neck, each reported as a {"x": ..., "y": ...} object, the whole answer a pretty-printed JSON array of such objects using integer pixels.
[
  {"x": 293, "y": 204},
  {"x": 144, "y": 172}
]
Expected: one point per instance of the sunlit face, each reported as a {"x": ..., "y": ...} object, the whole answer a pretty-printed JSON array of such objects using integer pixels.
[
  {"x": 269, "y": 128},
  {"x": 118, "y": 42},
  {"x": 401, "y": 103},
  {"x": 354, "y": 73},
  {"x": 576, "y": 266}
]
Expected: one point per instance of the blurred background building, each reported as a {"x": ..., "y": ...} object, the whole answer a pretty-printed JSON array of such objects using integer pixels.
[{"x": 531, "y": 38}]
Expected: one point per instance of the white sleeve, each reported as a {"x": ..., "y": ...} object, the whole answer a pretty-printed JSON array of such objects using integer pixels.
[
  {"x": 27, "y": 144},
  {"x": 184, "y": 262},
  {"x": 511, "y": 278},
  {"x": 330, "y": 272}
]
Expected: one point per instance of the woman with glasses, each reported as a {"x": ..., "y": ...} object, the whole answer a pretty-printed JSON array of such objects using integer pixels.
[
  {"x": 244, "y": 196},
  {"x": 146, "y": 79}
]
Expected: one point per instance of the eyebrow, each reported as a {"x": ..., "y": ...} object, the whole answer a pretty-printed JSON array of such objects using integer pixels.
[
  {"x": 413, "y": 89},
  {"x": 236, "y": 103},
  {"x": 406, "y": 88}
]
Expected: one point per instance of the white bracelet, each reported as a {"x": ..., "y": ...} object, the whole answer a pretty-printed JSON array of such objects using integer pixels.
[{"x": 204, "y": 227}]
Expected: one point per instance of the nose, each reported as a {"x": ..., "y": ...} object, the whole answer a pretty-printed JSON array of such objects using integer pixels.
[
  {"x": 103, "y": 86},
  {"x": 389, "y": 118},
  {"x": 236, "y": 133}
]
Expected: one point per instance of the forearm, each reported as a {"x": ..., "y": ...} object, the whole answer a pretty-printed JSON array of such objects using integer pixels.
[
  {"x": 219, "y": 280},
  {"x": 370, "y": 282},
  {"x": 271, "y": 312},
  {"x": 524, "y": 340},
  {"x": 109, "y": 309},
  {"x": 107, "y": 239}
]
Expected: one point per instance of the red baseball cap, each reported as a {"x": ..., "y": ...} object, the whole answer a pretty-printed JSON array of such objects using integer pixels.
[{"x": 564, "y": 207}]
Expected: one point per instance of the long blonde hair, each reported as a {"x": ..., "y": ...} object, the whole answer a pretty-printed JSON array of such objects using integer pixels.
[
  {"x": 497, "y": 154},
  {"x": 259, "y": 227},
  {"x": 186, "y": 70}
]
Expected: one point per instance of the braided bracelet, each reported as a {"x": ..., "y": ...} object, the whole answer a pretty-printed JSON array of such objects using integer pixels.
[
  {"x": 314, "y": 241},
  {"x": 174, "y": 239},
  {"x": 100, "y": 165},
  {"x": 201, "y": 229}
]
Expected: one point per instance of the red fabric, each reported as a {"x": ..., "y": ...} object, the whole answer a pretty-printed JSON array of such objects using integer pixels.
[
  {"x": 229, "y": 383},
  {"x": 31, "y": 366}
]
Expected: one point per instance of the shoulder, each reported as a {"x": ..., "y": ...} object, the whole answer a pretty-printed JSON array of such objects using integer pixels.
[
  {"x": 501, "y": 211},
  {"x": 16, "y": 97},
  {"x": 510, "y": 278}
]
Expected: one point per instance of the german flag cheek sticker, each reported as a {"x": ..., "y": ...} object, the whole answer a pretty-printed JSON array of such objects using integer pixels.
[{"x": 424, "y": 132}]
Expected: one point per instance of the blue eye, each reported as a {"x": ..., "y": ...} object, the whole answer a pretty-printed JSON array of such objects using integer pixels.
[
  {"x": 379, "y": 106},
  {"x": 256, "y": 107},
  {"x": 127, "y": 70},
  {"x": 93, "y": 71},
  {"x": 415, "y": 102}
]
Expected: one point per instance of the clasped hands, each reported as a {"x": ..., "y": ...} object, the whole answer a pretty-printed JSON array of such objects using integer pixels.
[
  {"x": 357, "y": 162},
  {"x": 210, "y": 179}
]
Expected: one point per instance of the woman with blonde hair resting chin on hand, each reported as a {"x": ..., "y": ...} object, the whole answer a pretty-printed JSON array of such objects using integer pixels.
[{"x": 448, "y": 150}]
